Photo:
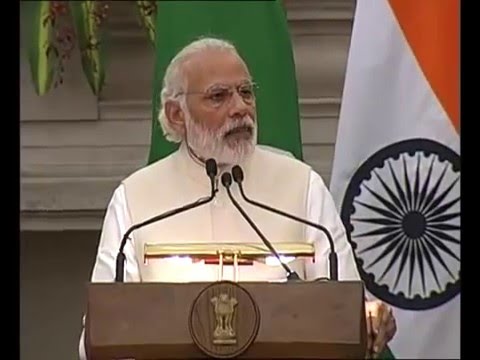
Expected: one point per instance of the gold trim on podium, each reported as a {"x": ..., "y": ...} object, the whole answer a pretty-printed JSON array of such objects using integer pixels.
[
  {"x": 243, "y": 250},
  {"x": 222, "y": 254}
]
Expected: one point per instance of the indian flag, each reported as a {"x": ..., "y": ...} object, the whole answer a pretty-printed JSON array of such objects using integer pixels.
[{"x": 396, "y": 169}]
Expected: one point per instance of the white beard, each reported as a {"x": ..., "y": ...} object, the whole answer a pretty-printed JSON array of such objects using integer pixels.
[{"x": 213, "y": 144}]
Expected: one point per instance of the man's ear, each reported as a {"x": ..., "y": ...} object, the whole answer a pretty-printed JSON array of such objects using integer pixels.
[{"x": 175, "y": 116}]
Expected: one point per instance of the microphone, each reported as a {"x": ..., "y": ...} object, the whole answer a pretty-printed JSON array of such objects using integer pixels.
[
  {"x": 332, "y": 258},
  {"x": 227, "y": 181},
  {"x": 211, "y": 169}
]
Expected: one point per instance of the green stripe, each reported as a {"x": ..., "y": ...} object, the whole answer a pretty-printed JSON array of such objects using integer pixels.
[{"x": 386, "y": 354}]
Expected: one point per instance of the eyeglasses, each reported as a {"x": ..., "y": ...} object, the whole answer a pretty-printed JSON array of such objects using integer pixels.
[{"x": 220, "y": 95}]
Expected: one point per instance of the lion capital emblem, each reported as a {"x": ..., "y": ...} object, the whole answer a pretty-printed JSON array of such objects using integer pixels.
[{"x": 224, "y": 308}]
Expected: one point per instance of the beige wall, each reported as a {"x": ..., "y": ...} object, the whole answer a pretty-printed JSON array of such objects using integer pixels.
[{"x": 75, "y": 148}]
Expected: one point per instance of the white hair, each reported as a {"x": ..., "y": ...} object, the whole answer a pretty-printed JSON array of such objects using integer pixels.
[{"x": 175, "y": 81}]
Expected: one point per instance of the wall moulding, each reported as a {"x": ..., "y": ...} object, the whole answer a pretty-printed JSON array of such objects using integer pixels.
[
  {"x": 61, "y": 220},
  {"x": 303, "y": 16},
  {"x": 298, "y": 10}
]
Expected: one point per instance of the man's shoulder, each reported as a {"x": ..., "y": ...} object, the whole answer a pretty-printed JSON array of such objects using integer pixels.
[
  {"x": 279, "y": 157},
  {"x": 285, "y": 162}
]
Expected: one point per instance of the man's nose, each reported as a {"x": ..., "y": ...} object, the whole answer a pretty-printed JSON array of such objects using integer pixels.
[{"x": 238, "y": 106}]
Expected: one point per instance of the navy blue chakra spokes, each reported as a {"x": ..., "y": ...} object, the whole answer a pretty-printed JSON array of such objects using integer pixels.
[{"x": 402, "y": 213}]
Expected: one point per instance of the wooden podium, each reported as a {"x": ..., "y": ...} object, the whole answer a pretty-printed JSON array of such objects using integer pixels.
[{"x": 226, "y": 319}]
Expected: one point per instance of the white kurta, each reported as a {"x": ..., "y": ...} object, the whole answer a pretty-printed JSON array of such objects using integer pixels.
[{"x": 320, "y": 209}]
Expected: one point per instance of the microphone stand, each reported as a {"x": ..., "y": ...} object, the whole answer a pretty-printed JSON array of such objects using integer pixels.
[
  {"x": 333, "y": 259},
  {"x": 227, "y": 181},
  {"x": 211, "y": 168}
]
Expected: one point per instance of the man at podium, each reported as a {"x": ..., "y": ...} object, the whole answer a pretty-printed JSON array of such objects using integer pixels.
[{"x": 209, "y": 108}]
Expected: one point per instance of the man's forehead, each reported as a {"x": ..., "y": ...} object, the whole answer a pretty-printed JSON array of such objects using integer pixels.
[{"x": 215, "y": 67}]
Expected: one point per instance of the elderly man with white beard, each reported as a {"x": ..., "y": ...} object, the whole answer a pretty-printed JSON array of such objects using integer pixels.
[{"x": 209, "y": 108}]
